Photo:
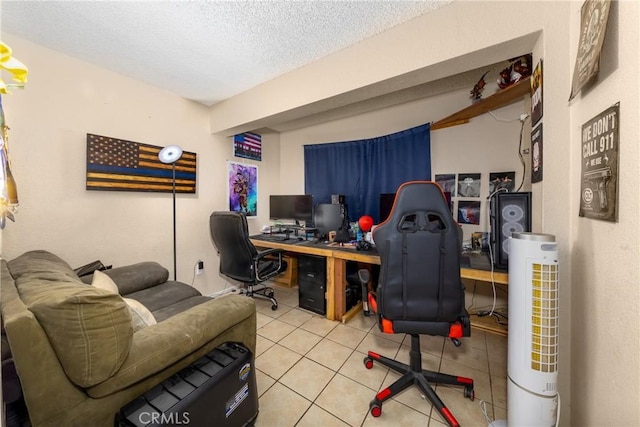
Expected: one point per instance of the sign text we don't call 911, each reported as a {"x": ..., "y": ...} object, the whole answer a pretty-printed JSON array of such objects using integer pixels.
[{"x": 600, "y": 154}]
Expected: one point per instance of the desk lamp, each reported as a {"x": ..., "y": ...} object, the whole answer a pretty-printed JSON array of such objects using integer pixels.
[{"x": 170, "y": 155}]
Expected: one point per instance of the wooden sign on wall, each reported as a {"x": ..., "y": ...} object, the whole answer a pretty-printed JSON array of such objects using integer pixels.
[{"x": 120, "y": 165}]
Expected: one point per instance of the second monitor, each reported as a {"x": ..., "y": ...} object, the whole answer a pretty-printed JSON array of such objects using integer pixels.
[{"x": 328, "y": 217}]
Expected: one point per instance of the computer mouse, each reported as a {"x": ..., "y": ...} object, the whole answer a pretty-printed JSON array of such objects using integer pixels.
[{"x": 300, "y": 239}]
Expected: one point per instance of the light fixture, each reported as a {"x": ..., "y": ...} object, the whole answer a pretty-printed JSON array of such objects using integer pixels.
[{"x": 170, "y": 155}]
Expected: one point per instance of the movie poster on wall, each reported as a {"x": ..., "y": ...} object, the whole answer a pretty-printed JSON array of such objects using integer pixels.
[
  {"x": 501, "y": 181},
  {"x": 536, "y": 154},
  {"x": 536, "y": 94},
  {"x": 469, "y": 184},
  {"x": 447, "y": 182},
  {"x": 242, "y": 184},
  {"x": 468, "y": 212},
  {"x": 600, "y": 154}
]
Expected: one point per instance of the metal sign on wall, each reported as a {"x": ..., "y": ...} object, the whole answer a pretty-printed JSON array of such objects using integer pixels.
[
  {"x": 600, "y": 154},
  {"x": 593, "y": 26}
]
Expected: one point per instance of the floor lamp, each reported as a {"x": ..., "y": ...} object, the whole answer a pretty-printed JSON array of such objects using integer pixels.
[{"x": 170, "y": 155}]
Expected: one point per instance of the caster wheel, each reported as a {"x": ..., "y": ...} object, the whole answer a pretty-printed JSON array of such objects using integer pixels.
[
  {"x": 375, "y": 409},
  {"x": 274, "y": 307},
  {"x": 469, "y": 393},
  {"x": 270, "y": 294},
  {"x": 368, "y": 363}
]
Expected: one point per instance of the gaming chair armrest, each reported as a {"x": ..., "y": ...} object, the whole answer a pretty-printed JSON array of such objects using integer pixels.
[{"x": 261, "y": 257}]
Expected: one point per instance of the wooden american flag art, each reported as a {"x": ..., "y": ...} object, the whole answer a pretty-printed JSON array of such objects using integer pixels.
[{"x": 119, "y": 165}]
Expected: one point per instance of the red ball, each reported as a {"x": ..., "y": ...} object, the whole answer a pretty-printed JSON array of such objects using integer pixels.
[{"x": 365, "y": 222}]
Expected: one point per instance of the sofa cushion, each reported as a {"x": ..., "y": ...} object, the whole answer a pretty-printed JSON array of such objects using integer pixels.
[
  {"x": 178, "y": 307},
  {"x": 90, "y": 329},
  {"x": 43, "y": 265},
  {"x": 135, "y": 277},
  {"x": 164, "y": 295}
]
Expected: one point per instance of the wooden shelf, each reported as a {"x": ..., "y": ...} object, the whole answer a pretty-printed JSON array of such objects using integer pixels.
[
  {"x": 488, "y": 324},
  {"x": 499, "y": 99}
]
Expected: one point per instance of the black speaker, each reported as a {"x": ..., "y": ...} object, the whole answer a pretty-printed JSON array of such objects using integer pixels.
[{"x": 510, "y": 212}]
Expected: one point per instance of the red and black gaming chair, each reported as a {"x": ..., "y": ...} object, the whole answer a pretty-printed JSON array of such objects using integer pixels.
[{"x": 419, "y": 290}]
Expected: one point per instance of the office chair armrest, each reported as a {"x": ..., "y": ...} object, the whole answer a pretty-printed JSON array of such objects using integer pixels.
[
  {"x": 260, "y": 256},
  {"x": 266, "y": 252}
]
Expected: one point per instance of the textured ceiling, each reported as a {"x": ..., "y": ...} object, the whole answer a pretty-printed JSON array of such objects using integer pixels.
[{"x": 206, "y": 51}]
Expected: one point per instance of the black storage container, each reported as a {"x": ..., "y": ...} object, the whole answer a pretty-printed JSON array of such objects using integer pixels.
[
  {"x": 218, "y": 389},
  {"x": 312, "y": 283}
]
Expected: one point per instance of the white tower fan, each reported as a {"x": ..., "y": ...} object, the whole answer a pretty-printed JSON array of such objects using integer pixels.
[{"x": 532, "y": 370}]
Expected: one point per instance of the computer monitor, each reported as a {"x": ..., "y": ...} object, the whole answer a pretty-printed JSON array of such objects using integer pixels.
[
  {"x": 386, "y": 203},
  {"x": 327, "y": 217},
  {"x": 291, "y": 207},
  {"x": 387, "y": 199}
]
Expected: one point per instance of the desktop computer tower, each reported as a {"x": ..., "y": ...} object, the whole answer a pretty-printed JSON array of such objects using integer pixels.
[
  {"x": 510, "y": 213},
  {"x": 312, "y": 280}
]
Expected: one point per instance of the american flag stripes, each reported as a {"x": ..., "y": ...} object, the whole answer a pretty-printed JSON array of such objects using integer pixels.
[
  {"x": 120, "y": 165},
  {"x": 248, "y": 145}
]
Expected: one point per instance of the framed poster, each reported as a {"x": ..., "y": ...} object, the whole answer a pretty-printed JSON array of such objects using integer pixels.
[
  {"x": 447, "y": 182},
  {"x": 248, "y": 145},
  {"x": 536, "y": 94},
  {"x": 468, "y": 212},
  {"x": 536, "y": 154},
  {"x": 469, "y": 185},
  {"x": 599, "y": 186},
  {"x": 242, "y": 185},
  {"x": 501, "y": 181}
]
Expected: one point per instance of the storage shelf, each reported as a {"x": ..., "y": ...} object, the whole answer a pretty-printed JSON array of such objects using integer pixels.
[{"x": 499, "y": 99}]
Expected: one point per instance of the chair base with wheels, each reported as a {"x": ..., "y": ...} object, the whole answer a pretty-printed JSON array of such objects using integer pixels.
[
  {"x": 262, "y": 291},
  {"x": 414, "y": 374}
]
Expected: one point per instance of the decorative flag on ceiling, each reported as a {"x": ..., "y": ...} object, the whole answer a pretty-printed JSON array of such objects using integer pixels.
[
  {"x": 248, "y": 145},
  {"x": 120, "y": 165}
]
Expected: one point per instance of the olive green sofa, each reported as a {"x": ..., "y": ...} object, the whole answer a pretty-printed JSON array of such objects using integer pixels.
[{"x": 74, "y": 348}]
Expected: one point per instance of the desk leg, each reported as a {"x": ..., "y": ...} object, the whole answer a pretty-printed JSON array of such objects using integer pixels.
[{"x": 336, "y": 279}]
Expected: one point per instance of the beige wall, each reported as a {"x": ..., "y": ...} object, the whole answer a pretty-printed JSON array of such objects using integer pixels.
[
  {"x": 599, "y": 262},
  {"x": 63, "y": 101},
  {"x": 606, "y": 256}
]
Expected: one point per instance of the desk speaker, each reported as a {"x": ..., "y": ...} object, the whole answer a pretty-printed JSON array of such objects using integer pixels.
[{"x": 510, "y": 212}]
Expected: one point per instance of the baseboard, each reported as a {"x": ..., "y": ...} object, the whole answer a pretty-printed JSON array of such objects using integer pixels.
[{"x": 228, "y": 290}]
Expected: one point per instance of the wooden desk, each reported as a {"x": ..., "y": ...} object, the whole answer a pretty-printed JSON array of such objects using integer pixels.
[{"x": 336, "y": 272}]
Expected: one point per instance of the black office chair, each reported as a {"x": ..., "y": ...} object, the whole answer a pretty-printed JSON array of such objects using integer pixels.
[
  {"x": 240, "y": 260},
  {"x": 419, "y": 289}
]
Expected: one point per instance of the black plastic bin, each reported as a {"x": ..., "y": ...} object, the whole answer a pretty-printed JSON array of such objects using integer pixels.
[{"x": 218, "y": 389}]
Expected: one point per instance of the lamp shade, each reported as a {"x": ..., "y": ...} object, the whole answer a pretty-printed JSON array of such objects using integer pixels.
[{"x": 170, "y": 154}]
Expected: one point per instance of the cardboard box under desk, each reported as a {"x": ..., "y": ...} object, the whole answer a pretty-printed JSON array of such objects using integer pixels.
[{"x": 290, "y": 276}]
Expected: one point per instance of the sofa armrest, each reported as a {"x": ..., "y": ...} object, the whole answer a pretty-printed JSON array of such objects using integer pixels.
[
  {"x": 135, "y": 277},
  {"x": 181, "y": 339}
]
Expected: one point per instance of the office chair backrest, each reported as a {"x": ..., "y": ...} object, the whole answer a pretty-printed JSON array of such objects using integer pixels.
[
  {"x": 419, "y": 250},
  {"x": 230, "y": 235}
]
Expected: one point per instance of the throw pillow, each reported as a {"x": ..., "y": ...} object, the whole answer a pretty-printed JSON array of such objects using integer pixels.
[
  {"x": 141, "y": 317},
  {"x": 102, "y": 281}
]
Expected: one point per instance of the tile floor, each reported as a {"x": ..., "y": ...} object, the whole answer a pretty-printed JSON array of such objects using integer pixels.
[{"x": 310, "y": 371}]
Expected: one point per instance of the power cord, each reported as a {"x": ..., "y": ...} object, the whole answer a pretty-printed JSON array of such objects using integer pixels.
[{"x": 523, "y": 118}]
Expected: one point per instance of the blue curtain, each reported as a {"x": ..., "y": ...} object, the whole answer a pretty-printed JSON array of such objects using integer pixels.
[{"x": 362, "y": 170}]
